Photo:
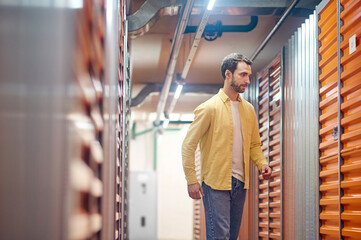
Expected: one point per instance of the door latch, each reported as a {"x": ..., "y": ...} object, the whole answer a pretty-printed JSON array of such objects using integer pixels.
[{"x": 335, "y": 133}]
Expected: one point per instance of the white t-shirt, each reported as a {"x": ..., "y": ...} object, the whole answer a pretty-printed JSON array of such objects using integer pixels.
[{"x": 237, "y": 151}]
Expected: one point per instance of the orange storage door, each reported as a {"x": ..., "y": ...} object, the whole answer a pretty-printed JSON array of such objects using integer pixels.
[
  {"x": 263, "y": 186},
  {"x": 329, "y": 190},
  {"x": 351, "y": 120},
  {"x": 340, "y": 107},
  {"x": 269, "y": 191},
  {"x": 275, "y": 183}
]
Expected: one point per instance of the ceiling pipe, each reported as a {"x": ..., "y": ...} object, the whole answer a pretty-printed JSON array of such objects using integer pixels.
[
  {"x": 144, "y": 93},
  {"x": 274, "y": 30},
  {"x": 189, "y": 88},
  {"x": 192, "y": 52},
  {"x": 218, "y": 27},
  {"x": 176, "y": 44},
  {"x": 212, "y": 32}
]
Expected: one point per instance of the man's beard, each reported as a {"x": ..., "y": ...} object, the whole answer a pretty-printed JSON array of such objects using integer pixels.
[{"x": 237, "y": 88}]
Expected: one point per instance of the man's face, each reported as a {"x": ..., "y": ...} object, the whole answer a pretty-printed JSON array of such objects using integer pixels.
[{"x": 240, "y": 77}]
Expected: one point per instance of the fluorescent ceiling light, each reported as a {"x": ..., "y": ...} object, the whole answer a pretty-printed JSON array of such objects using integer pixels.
[
  {"x": 165, "y": 123},
  {"x": 210, "y": 4},
  {"x": 178, "y": 91}
]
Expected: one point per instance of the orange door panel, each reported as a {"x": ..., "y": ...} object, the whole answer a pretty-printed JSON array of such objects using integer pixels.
[
  {"x": 351, "y": 121},
  {"x": 275, "y": 203},
  {"x": 270, "y": 203},
  {"x": 263, "y": 187},
  {"x": 329, "y": 190}
]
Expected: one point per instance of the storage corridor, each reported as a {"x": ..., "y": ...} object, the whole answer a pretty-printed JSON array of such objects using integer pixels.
[{"x": 97, "y": 96}]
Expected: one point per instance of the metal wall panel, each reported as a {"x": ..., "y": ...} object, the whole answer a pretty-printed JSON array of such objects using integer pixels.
[
  {"x": 36, "y": 89},
  {"x": 300, "y": 136},
  {"x": 351, "y": 120},
  {"x": 250, "y": 214},
  {"x": 288, "y": 114},
  {"x": 123, "y": 119}
]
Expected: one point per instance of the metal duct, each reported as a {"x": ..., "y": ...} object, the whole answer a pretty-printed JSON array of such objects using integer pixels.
[
  {"x": 218, "y": 29},
  {"x": 189, "y": 88},
  {"x": 144, "y": 18}
]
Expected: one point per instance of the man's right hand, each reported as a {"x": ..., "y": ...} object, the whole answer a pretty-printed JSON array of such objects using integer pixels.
[{"x": 195, "y": 191}]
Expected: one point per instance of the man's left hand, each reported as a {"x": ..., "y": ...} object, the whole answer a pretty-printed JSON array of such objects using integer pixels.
[{"x": 266, "y": 172}]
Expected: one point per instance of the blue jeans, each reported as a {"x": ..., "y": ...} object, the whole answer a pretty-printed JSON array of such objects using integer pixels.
[{"x": 223, "y": 210}]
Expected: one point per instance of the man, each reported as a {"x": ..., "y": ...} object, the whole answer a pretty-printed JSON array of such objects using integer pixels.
[{"x": 226, "y": 129}]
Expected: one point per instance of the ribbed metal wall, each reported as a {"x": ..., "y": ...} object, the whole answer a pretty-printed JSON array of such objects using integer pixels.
[
  {"x": 301, "y": 134},
  {"x": 122, "y": 128}
]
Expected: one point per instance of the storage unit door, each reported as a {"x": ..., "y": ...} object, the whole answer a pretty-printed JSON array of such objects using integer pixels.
[
  {"x": 270, "y": 191},
  {"x": 351, "y": 119},
  {"x": 263, "y": 186},
  {"x": 275, "y": 184},
  {"x": 329, "y": 191}
]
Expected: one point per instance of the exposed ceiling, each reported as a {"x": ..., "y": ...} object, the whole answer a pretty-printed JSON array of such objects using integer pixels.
[{"x": 150, "y": 52}]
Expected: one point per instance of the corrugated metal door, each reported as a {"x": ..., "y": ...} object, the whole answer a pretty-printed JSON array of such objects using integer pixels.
[
  {"x": 340, "y": 106},
  {"x": 275, "y": 183},
  {"x": 329, "y": 191},
  {"x": 269, "y": 191},
  {"x": 263, "y": 185},
  {"x": 351, "y": 119}
]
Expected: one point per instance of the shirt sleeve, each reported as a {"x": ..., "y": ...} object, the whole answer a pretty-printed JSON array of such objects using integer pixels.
[
  {"x": 197, "y": 129},
  {"x": 256, "y": 152}
]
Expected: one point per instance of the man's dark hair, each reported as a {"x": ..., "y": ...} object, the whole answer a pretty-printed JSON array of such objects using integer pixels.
[{"x": 230, "y": 62}]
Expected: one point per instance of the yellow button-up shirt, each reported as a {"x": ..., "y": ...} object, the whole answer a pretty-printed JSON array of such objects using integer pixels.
[{"x": 212, "y": 128}]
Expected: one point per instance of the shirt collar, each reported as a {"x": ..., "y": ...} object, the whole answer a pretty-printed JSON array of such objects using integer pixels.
[{"x": 225, "y": 97}]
